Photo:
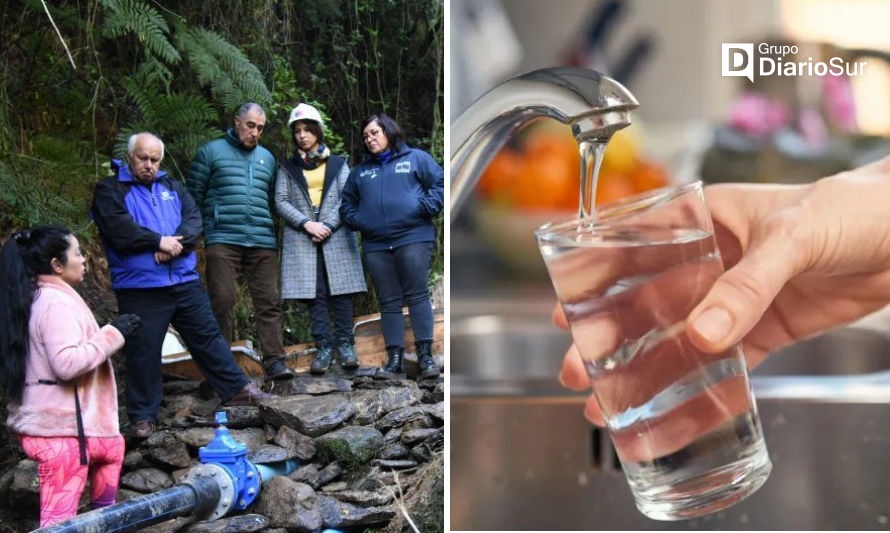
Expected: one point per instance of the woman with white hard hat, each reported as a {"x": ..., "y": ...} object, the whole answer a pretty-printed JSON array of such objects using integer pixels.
[{"x": 320, "y": 262}]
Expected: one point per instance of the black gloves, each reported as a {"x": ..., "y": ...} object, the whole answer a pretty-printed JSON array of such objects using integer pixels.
[{"x": 126, "y": 323}]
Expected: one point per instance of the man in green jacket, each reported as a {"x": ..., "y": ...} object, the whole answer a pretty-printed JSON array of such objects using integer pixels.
[{"x": 233, "y": 182}]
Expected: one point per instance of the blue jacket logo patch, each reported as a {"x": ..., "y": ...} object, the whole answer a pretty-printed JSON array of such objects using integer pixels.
[
  {"x": 370, "y": 173},
  {"x": 403, "y": 167},
  {"x": 167, "y": 196}
]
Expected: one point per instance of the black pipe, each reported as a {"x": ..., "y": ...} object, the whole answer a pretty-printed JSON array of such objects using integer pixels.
[{"x": 198, "y": 497}]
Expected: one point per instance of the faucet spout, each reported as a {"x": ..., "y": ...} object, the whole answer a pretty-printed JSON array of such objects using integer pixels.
[{"x": 594, "y": 105}]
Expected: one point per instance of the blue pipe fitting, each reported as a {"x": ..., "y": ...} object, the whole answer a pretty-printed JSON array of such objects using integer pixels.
[{"x": 231, "y": 457}]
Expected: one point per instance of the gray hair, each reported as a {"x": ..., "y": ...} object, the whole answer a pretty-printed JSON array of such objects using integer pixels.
[
  {"x": 248, "y": 107},
  {"x": 131, "y": 144}
]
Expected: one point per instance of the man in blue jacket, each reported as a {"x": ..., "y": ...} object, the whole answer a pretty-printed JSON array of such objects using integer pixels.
[
  {"x": 149, "y": 225},
  {"x": 233, "y": 182}
]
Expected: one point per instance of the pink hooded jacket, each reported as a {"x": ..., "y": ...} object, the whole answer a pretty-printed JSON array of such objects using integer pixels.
[{"x": 67, "y": 345}]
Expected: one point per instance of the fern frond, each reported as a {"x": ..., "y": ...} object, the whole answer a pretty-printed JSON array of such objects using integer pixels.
[
  {"x": 223, "y": 67},
  {"x": 142, "y": 20}
]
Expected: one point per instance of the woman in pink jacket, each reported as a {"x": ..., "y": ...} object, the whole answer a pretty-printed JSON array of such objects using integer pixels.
[{"x": 56, "y": 372}]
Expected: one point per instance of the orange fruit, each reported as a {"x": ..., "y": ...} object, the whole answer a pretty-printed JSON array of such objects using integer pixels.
[
  {"x": 648, "y": 176},
  {"x": 613, "y": 186}
]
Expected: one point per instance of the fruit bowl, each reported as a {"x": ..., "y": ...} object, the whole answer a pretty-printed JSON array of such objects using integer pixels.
[{"x": 509, "y": 233}]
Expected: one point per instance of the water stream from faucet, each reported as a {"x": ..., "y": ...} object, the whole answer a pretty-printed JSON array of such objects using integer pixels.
[{"x": 591, "y": 158}]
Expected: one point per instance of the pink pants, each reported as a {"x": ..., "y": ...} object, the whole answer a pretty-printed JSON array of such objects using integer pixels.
[{"x": 62, "y": 477}]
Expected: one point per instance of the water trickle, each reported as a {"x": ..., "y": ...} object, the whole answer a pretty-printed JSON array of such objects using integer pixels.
[{"x": 591, "y": 159}]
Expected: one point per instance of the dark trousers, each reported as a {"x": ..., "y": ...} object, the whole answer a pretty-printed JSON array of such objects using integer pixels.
[
  {"x": 326, "y": 306},
  {"x": 187, "y": 308},
  {"x": 402, "y": 275},
  {"x": 260, "y": 269}
]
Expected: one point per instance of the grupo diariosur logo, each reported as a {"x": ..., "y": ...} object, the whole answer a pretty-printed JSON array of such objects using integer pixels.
[{"x": 782, "y": 60}]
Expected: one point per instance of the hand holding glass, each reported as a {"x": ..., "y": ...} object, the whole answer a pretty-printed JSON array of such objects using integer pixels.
[{"x": 684, "y": 422}]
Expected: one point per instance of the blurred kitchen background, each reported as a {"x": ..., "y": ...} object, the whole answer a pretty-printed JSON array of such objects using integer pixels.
[
  {"x": 692, "y": 123},
  {"x": 522, "y": 457}
]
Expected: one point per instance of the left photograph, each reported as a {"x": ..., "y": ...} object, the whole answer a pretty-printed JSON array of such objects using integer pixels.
[{"x": 222, "y": 275}]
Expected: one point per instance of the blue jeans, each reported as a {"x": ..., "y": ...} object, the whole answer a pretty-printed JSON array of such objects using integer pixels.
[
  {"x": 401, "y": 275},
  {"x": 187, "y": 307},
  {"x": 321, "y": 307}
]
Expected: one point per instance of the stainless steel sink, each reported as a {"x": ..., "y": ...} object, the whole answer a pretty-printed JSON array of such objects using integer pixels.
[{"x": 524, "y": 458}]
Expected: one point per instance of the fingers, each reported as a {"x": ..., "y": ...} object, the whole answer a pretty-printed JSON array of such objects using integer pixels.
[{"x": 739, "y": 298}]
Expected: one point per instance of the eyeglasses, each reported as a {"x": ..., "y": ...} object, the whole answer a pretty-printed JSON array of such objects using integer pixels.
[{"x": 370, "y": 134}]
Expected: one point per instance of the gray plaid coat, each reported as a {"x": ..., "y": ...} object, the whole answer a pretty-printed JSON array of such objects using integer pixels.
[{"x": 298, "y": 259}]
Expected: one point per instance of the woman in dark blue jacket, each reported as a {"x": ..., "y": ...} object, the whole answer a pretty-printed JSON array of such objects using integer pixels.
[{"x": 391, "y": 198}]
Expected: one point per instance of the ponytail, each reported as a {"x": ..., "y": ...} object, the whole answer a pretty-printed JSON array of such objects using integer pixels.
[{"x": 27, "y": 254}]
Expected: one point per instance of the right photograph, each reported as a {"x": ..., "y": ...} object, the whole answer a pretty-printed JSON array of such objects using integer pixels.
[{"x": 669, "y": 265}]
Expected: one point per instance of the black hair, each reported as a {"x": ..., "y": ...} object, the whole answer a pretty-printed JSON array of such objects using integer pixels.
[
  {"x": 389, "y": 127},
  {"x": 26, "y": 255},
  {"x": 313, "y": 127}
]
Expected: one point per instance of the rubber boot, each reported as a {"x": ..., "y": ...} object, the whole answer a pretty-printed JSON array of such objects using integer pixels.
[
  {"x": 393, "y": 369},
  {"x": 426, "y": 364}
]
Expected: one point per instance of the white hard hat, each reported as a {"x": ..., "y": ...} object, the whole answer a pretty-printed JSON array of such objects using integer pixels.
[{"x": 305, "y": 112}]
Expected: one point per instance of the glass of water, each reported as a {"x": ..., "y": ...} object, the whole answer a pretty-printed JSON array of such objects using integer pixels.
[{"x": 683, "y": 422}]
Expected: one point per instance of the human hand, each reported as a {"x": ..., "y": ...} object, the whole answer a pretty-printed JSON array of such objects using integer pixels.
[
  {"x": 317, "y": 230},
  {"x": 162, "y": 257},
  {"x": 126, "y": 323},
  {"x": 171, "y": 245},
  {"x": 800, "y": 259}
]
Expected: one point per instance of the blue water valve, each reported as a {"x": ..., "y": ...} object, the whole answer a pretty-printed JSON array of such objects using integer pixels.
[{"x": 231, "y": 455}]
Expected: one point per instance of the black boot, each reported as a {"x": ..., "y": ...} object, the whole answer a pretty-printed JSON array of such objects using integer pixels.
[
  {"x": 324, "y": 352},
  {"x": 425, "y": 362},
  {"x": 348, "y": 357},
  {"x": 393, "y": 368},
  {"x": 277, "y": 370}
]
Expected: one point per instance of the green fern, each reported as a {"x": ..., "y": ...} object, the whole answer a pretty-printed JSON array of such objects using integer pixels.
[
  {"x": 144, "y": 21},
  {"x": 222, "y": 67}
]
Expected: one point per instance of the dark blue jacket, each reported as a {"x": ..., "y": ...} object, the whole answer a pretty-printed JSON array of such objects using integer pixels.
[
  {"x": 132, "y": 217},
  {"x": 394, "y": 203}
]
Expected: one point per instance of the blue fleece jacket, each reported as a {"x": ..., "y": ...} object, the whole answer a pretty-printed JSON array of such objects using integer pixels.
[
  {"x": 393, "y": 203},
  {"x": 132, "y": 217}
]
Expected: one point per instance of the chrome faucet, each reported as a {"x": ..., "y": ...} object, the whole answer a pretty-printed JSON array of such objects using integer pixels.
[{"x": 594, "y": 105}]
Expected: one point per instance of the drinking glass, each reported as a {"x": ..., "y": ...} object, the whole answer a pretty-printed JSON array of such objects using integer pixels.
[{"x": 683, "y": 422}]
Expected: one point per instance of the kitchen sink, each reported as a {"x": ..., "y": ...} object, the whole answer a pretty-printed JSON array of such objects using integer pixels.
[{"x": 524, "y": 458}]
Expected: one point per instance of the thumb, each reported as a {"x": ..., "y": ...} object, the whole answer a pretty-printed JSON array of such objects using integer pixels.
[{"x": 739, "y": 297}]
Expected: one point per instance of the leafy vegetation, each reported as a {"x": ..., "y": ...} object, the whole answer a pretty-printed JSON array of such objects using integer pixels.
[{"x": 181, "y": 69}]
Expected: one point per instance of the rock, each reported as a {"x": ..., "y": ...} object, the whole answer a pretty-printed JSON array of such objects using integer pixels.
[
  {"x": 372, "y": 404},
  {"x": 351, "y": 445},
  {"x": 396, "y": 450},
  {"x": 166, "y": 448},
  {"x": 295, "y": 443},
  {"x": 306, "y": 473},
  {"x": 289, "y": 504},
  {"x": 196, "y": 437},
  {"x": 147, "y": 480},
  {"x": 267, "y": 453},
  {"x": 326, "y": 475},
  {"x": 365, "y": 498},
  {"x": 339, "y": 515},
  {"x": 310, "y": 415},
  {"x": 236, "y": 524},
  {"x": 336, "y": 486},
  {"x": 170, "y": 526},
  {"x": 414, "y": 436},
  {"x": 320, "y": 385},
  {"x": 424, "y": 502},
  {"x": 395, "y": 464},
  {"x": 24, "y": 490},
  {"x": 414, "y": 414}
]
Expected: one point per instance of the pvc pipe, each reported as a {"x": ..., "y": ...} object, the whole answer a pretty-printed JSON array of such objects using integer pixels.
[
  {"x": 280, "y": 468},
  {"x": 197, "y": 498}
]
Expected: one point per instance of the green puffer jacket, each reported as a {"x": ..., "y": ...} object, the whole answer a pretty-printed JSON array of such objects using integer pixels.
[{"x": 234, "y": 188}]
